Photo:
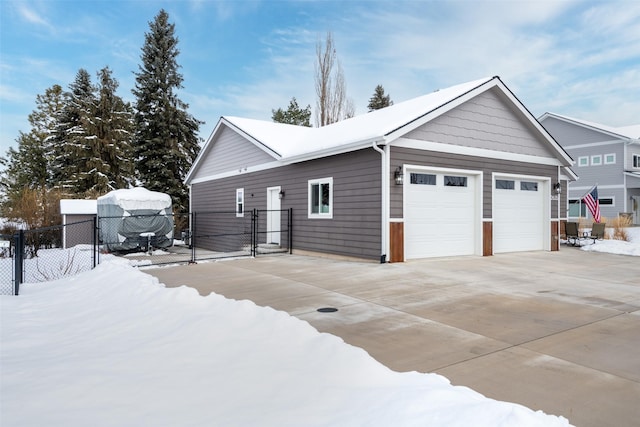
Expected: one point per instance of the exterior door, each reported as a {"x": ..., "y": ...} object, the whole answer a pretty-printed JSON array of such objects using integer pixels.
[
  {"x": 635, "y": 208},
  {"x": 273, "y": 215}
]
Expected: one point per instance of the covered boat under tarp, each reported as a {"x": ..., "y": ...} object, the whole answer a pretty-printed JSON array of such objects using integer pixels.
[{"x": 135, "y": 219}]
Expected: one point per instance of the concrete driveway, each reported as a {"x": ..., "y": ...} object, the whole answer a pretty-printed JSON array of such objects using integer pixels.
[{"x": 556, "y": 331}]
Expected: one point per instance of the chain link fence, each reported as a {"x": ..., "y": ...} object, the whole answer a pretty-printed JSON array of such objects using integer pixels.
[
  {"x": 46, "y": 254},
  {"x": 51, "y": 253},
  {"x": 7, "y": 264}
]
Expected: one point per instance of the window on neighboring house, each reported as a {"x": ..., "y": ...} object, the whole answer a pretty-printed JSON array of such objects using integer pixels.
[
  {"x": 596, "y": 160},
  {"x": 583, "y": 161},
  {"x": 636, "y": 161},
  {"x": 321, "y": 198},
  {"x": 240, "y": 202},
  {"x": 455, "y": 181},
  {"x": 606, "y": 201},
  {"x": 577, "y": 209},
  {"x": 610, "y": 159},
  {"x": 505, "y": 184},
  {"x": 528, "y": 186}
]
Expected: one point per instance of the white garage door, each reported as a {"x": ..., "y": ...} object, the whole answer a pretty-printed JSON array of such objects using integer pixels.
[
  {"x": 518, "y": 215},
  {"x": 440, "y": 214}
]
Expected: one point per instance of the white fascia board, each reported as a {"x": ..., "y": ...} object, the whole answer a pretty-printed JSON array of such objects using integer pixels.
[
  {"x": 201, "y": 154},
  {"x": 205, "y": 149},
  {"x": 576, "y": 122},
  {"x": 346, "y": 148},
  {"x": 568, "y": 174},
  {"x": 238, "y": 172},
  {"x": 547, "y": 136},
  {"x": 255, "y": 141},
  {"x": 477, "y": 152},
  {"x": 594, "y": 144}
]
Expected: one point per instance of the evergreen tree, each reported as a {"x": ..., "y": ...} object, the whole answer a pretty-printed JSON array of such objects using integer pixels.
[
  {"x": 294, "y": 115},
  {"x": 108, "y": 165},
  {"x": 28, "y": 166},
  {"x": 379, "y": 99},
  {"x": 166, "y": 136},
  {"x": 70, "y": 149}
]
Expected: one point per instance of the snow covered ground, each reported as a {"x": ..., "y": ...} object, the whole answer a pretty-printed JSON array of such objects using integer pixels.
[
  {"x": 632, "y": 247},
  {"x": 113, "y": 347}
]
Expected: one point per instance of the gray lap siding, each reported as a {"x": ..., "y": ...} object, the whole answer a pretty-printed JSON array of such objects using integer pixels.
[
  {"x": 354, "y": 229},
  {"x": 401, "y": 156}
]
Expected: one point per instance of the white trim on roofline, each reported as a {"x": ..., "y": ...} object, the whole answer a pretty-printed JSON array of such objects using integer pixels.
[
  {"x": 472, "y": 151},
  {"x": 237, "y": 172},
  {"x": 589, "y": 187},
  {"x": 597, "y": 127},
  {"x": 595, "y": 144},
  {"x": 205, "y": 148}
]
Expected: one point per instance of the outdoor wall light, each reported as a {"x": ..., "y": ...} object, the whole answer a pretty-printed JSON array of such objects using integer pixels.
[
  {"x": 398, "y": 176},
  {"x": 557, "y": 188},
  {"x": 281, "y": 194}
]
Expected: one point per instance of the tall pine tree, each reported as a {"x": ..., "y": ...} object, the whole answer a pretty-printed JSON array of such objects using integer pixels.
[
  {"x": 166, "y": 136},
  {"x": 379, "y": 99},
  {"x": 70, "y": 148},
  {"x": 109, "y": 165}
]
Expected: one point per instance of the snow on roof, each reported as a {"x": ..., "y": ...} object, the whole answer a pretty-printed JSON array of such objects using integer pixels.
[
  {"x": 136, "y": 198},
  {"x": 291, "y": 141},
  {"x": 78, "y": 207},
  {"x": 632, "y": 132}
]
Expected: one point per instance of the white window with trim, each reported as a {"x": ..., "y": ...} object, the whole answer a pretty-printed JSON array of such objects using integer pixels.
[
  {"x": 636, "y": 161},
  {"x": 596, "y": 160},
  {"x": 610, "y": 159},
  {"x": 321, "y": 198},
  {"x": 583, "y": 161},
  {"x": 240, "y": 202}
]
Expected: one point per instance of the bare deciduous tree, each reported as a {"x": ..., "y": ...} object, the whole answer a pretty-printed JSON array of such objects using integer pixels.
[{"x": 332, "y": 104}]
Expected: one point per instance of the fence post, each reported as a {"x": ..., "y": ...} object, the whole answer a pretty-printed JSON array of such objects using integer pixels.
[
  {"x": 290, "y": 228},
  {"x": 95, "y": 241},
  {"x": 18, "y": 260},
  {"x": 192, "y": 237},
  {"x": 254, "y": 232}
]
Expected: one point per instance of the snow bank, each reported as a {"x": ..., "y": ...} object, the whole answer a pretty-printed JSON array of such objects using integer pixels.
[
  {"x": 114, "y": 347},
  {"x": 618, "y": 247}
]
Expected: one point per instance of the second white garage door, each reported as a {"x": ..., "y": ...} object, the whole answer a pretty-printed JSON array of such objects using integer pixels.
[
  {"x": 518, "y": 215},
  {"x": 441, "y": 214}
]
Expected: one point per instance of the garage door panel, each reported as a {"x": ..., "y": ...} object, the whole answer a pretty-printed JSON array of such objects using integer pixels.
[
  {"x": 518, "y": 219},
  {"x": 439, "y": 220}
]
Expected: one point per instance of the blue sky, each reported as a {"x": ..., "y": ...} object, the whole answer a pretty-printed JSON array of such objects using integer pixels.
[{"x": 245, "y": 58}]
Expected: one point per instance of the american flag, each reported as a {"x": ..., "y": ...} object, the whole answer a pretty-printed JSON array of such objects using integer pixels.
[{"x": 591, "y": 200}]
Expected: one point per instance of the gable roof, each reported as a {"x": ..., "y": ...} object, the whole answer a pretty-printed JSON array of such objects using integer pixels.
[
  {"x": 290, "y": 143},
  {"x": 628, "y": 132}
]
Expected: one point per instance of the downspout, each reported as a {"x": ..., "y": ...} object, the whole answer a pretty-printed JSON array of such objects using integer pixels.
[{"x": 384, "y": 230}]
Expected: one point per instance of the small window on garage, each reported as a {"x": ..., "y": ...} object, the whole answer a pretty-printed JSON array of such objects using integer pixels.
[
  {"x": 528, "y": 186},
  {"x": 321, "y": 198},
  {"x": 583, "y": 161},
  {"x": 423, "y": 179},
  {"x": 505, "y": 184},
  {"x": 455, "y": 181},
  {"x": 610, "y": 159},
  {"x": 596, "y": 160},
  {"x": 240, "y": 202}
]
